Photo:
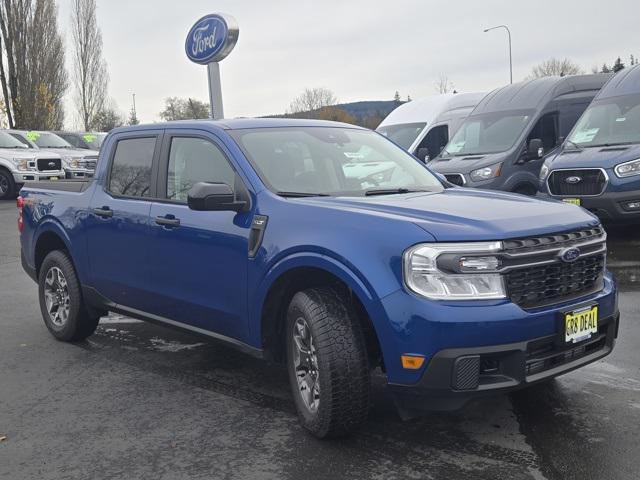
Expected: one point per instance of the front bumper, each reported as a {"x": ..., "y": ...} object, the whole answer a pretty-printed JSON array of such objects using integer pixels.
[
  {"x": 609, "y": 206},
  {"x": 34, "y": 176},
  {"x": 458, "y": 375},
  {"x": 79, "y": 173}
]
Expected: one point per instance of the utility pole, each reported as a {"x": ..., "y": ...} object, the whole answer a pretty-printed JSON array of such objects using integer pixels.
[
  {"x": 135, "y": 114},
  {"x": 509, "y": 36}
]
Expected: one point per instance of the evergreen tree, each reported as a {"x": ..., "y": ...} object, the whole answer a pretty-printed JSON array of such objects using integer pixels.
[
  {"x": 618, "y": 65},
  {"x": 605, "y": 69},
  {"x": 396, "y": 97}
]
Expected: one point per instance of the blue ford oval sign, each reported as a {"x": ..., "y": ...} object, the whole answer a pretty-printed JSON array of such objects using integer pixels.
[{"x": 211, "y": 38}]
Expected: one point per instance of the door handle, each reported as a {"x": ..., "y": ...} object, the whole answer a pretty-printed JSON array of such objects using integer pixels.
[
  {"x": 104, "y": 212},
  {"x": 168, "y": 221}
]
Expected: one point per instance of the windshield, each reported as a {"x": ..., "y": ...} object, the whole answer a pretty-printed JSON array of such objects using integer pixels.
[
  {"x": 332, "y": 161},
  {"x": 94, "y": 140},
  {"x": 488, "y": 133},
  {"x": 48, "y": 140},
  {"x": 610, "y": 121},
  {"x": 7, "y": 141},
  {"x": 404, "y": 134}
]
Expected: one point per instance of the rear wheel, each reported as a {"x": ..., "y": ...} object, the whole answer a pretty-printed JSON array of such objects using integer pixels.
[
  {"x": 7, "y": 185},
  {"x": 61, "y": 304},
  {"x": 327, "y": 362}
]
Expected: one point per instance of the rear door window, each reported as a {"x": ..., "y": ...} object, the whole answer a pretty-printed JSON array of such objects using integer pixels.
[{"x": 131, "y": 168}]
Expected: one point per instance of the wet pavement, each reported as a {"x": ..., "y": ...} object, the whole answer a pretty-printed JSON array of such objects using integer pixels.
[{"x": 140, "y": 401}]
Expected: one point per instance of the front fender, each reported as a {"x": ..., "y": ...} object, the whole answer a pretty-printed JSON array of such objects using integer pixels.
[{"x": 348, "y": 274}]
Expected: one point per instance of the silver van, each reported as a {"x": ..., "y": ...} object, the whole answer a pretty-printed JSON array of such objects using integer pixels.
[{"x": 503, "y": 143}]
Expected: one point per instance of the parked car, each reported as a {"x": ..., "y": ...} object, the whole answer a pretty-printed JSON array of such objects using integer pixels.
[
  {"x": 248, "y": 231},
  {"x": 83, "y": 140},
  {"x": 599, "y": 164},
  {"x": 77, "y": 163},
  {"x": 513, "y": 130},
  {"x": 19, "y": 164},
  {"x": 423, "y": 127}
]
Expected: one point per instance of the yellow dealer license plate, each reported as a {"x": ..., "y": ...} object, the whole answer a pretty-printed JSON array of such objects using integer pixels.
[
  {"x": 572, "y": 201},
  {"x": 580, "y": 324}
]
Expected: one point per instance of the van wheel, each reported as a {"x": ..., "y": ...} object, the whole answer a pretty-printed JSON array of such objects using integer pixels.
[
  {"x": 7, "y": 185},
  {"x": 327, "y": 362},
  {"x": 61, "y": 304}
]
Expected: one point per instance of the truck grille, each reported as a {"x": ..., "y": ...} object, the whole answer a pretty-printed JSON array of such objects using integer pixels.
[
  {"x": 537, "y": 286},
  {"x": 49, "y": 164},
  {"x": 577, "y": 182},
  {"x": 537, "y": 276},
  {"x": 90, "y": 163},
  {"x": 455, "y": 178}
]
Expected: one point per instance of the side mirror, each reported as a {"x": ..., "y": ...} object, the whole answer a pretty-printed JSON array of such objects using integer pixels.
[
  {"x": 423, "y": 154},
  {"x": 205, "y": 196},
  {"x": 535, "y": 149}
]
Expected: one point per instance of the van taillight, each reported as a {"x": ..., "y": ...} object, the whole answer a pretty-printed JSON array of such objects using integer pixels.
[{"x": 20, "y": 205}]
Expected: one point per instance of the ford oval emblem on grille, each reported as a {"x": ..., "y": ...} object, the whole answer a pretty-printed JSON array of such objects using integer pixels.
[
  {"x": 573, "y": 180},
  {"x": 52, "y": 164},
  {"x": 570, "y": 254}
]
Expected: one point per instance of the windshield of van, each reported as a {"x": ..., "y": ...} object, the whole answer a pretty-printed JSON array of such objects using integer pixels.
[
  {"x": 404, "y": 134},
  {"x": 610, "y": 121},
  {"x": 8, "y": 141},
  {"x": 488, "y": 133},
  {"x": 309, "y": 161}
]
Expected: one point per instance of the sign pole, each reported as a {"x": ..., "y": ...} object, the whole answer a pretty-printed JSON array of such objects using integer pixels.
[
  {"x": 215, "y": 91},
  {"x": 208, "y": 42}
]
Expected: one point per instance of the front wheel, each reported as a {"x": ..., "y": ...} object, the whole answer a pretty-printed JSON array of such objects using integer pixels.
[
  {"x": 7, "y": 185},
  {"x": 63, "y": 309},
  {"x": 327, "y": 363}
]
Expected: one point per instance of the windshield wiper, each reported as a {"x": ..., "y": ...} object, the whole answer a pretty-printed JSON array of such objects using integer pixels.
[
  {"x": 301, "y": 194},
  {"x": 577, "y": 147},
  {"x": 391, "y": 191}
]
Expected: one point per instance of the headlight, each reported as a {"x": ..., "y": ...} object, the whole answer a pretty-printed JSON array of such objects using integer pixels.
[
  {"x": 423, "y": 275},
  {"x": 71, "y": 162},
  {"x": 486, "y": 173},
  {"x": 22, "y": 164},
  {"x": 544, "y": 171},
  {"x": 628, "y": 169}
]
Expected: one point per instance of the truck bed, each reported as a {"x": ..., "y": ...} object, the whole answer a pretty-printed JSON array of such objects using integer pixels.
[{"x": 70, "y": 185}]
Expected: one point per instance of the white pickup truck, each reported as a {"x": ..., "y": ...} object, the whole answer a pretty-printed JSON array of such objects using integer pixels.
[
  {"x": 77, "y": 163},
  {"x": 20, "y": 164}
]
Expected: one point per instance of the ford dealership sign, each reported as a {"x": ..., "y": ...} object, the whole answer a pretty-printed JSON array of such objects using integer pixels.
[{"x": 211, "y": 38}]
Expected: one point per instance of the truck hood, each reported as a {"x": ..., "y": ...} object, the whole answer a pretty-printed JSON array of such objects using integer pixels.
[
  {"x": 27, "y": 153},
  {"x": 72, "y": 152},
  {"x": 466, "y": 163},
  {"x": 465, "y": 214},
  {"x": 602, "y": 157}
]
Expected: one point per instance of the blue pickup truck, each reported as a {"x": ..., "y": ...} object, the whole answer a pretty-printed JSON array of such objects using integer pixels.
[{"x": 266, "y": 234}]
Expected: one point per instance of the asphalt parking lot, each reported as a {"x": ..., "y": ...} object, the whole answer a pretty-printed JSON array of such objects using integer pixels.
[{"x": 141, "y": 401}]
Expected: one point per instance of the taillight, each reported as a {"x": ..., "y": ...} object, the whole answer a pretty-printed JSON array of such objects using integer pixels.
[{"x": 20, "y": 205}]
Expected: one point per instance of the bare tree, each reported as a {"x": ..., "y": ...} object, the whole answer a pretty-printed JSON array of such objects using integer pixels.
[
  {"x": 312, "y": 99},
  {"x": 555, "y": 66},
  {"x": 443, "y": 84},
  {"x": 108, "y": 118},
  {"x": 89, "y": 68},
  {"x": 184, "y": 109},
  {"x": 35, "y": 79}
]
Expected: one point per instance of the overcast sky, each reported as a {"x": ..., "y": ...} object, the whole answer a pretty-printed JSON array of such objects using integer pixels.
[{"x": 362, "y": 50}]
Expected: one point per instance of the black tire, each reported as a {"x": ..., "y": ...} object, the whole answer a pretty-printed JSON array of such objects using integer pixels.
[
  {"x": 7, "y": 185},
  {"x": 78, "y": 323},
  {"x": 341, "y": 359}
]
